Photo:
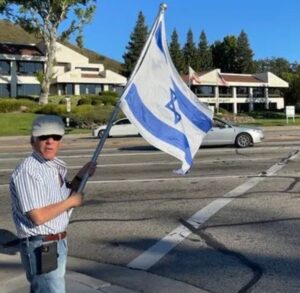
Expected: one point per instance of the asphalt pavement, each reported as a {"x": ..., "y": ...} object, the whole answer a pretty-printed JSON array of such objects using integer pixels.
[{"x": 84, "y": 276}]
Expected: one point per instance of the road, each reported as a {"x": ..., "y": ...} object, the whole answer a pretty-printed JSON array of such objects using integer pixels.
[{"x": 230, "y": 225}]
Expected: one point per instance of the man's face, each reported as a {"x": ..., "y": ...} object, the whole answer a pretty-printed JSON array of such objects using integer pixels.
[{"x": 47, "y": 145}]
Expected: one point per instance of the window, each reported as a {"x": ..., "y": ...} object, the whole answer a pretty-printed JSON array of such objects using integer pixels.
[
  {"x": 87, "y": 69},
  {"x": 4, "y": 90},
  {"x": 29, "y": 68},
  {"x": 90, "y": 89},
  {"x": 68, "y": 89},
  {"x": 29, "y": 89},
  {"x": 225, "y": 91},
  {"x": 242, "y": 91},
  {"x": 204, "y": 90},
  {"x": 258, "y": 92},
  {"x": 4, "y": 67},
  {"x": 275, "y": 92}
]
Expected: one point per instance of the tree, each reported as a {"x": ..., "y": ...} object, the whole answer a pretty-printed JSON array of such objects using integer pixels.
[
  {"x": 176, "y": 53},
  {"x": 135, "y": 45},
  {"x": 224, "y": 54},
  {"x": 44, "y": 19},
  {"x": 244, "y": 54},
  {"x": 190, "y": 51},
  {"x": 204, "y": 54}
]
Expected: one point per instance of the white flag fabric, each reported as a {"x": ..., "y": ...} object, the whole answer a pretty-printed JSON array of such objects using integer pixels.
[{"x": 157, "y": 101}]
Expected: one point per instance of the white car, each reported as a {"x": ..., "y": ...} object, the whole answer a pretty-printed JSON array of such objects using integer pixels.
[
  {"x": 222, "y": 133},
  {"x": 121, "y": 127}
]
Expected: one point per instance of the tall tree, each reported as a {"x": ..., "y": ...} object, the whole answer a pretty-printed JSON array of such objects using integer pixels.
[
  {"x": 190, "y": 51},
  {"x": 204, "y": 54},
  {"x": 44, "y": 18},
  {"x": 224, "y": 54},
  {"x": 176, "y": 53},
  {"x": 244, "y": 54},
  {"x": 135, "y": 45}
]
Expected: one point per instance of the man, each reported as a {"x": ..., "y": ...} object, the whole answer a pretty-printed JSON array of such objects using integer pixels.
[{"x": 41, "y": 198}]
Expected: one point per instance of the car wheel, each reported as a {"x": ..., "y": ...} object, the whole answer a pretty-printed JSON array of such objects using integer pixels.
[
  {"x": 243, "y": 140},
  {"x": 100, "y": 133}
]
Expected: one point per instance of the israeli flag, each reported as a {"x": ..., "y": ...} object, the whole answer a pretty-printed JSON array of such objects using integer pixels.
[{"x": 157, "y": 101}]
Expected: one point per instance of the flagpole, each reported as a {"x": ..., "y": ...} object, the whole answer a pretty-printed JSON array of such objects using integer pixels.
[{"x": 116, "y": 110}]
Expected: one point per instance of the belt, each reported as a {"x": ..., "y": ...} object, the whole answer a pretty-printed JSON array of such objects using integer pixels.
[{"x": 45, "y": 238}]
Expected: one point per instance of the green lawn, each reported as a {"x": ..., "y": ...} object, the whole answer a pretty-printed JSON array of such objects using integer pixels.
[{"x": 20, "y": 124}]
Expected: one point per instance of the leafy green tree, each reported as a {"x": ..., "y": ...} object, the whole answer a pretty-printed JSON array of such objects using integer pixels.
[
  {"x": 176, "y": 53},
  {"x": 278, "y": 66},
  {"x": 224, "y": 54},
  {"x": 190, "y": 51},
  {"x": 135, "y": 45},
  {"x": 204, "y": 54},
  {"x": 44, "y": 18},
  {"x": 244, "y": 54}
]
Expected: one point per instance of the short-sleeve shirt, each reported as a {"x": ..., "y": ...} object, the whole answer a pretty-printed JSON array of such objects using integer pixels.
[{"x": 34, "y": 184}]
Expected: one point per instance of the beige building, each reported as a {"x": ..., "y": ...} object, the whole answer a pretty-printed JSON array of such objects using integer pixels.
[
  {"x": 73, "y": 74},
  {"x": 238, "y": 92}
]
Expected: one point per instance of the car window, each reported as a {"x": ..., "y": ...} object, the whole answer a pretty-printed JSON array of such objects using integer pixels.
[
  {"x": 123, "y": 121},
  {"x": 220, "y": 124}
]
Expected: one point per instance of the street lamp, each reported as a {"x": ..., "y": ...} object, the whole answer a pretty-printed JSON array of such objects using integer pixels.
[{"x": 68, "y": 105}]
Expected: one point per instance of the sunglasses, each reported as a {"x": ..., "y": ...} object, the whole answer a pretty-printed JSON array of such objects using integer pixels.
[{"x": 53, "y": 136}]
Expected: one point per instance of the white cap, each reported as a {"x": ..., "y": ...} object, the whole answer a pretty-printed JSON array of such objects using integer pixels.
[{"x": 47, "y": 125}]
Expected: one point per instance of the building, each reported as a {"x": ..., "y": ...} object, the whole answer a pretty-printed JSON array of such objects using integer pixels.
[
  {"x": 238, "y": 92},
  {"x": 73, "y": 74}
]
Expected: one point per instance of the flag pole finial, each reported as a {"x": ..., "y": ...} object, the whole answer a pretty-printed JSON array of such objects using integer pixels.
[{"x": 163, "y": 6}]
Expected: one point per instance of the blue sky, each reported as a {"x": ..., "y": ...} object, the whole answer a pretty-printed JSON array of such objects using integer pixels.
[{"x": 273, "y": 26}]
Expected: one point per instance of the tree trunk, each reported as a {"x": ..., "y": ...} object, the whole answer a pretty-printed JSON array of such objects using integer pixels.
[{"x": 50, "y": 45}]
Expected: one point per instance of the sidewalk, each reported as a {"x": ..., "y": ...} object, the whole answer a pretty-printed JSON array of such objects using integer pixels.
[{"x": 85, "y": 276}]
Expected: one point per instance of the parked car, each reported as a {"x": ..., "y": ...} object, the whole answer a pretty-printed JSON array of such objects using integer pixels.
[{"x": 222, "y": 133}]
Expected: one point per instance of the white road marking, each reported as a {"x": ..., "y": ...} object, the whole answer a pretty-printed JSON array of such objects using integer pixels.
[
  {"x": 158, "y": 163},
  {"x": 151, "y": 256},
  {"x": 182, "y": 178}
]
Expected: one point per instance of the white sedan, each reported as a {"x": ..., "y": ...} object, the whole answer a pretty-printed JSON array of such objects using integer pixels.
[{"x": 222, "y": 133}]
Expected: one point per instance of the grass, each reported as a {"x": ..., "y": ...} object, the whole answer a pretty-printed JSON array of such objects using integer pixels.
[{"x": 20, "y": 124}]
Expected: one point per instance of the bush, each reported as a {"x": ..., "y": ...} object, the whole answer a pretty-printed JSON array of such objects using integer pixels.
[
  {"x": 51, "y": 109},
  {"x": 86, "y": 116},
  {"x": 84, "y": 101},
  {"x": 17, "y": 105}
]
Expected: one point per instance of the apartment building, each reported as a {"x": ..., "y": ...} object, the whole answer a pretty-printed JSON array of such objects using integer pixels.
[
  {"x": 73, "y": 73},
  {"x": 238, "y": 92}
]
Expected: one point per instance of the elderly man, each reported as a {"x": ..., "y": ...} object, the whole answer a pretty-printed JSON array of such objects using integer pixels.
[{"x": 41, "y": 198}]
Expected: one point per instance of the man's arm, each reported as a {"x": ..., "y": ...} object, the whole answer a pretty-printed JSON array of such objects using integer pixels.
[{"x": 42, "y": 215}]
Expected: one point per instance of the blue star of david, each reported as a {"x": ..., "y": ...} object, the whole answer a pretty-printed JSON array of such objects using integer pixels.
[{"x": 171, "y": 106}]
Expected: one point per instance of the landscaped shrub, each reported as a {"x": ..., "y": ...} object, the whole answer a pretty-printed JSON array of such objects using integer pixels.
[
  {"x": 86, "y": 116},
  {"x": 51, "y": 109},
  {"x": 13, "y": 105},
  {"x": 84, "y": 101}
]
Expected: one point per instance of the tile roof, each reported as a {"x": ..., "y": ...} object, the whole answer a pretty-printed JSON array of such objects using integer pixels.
[{"x": 240, "y": 78}]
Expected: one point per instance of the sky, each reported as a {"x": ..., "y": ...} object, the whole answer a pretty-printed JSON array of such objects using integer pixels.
[{"x": 272, "y": 26}]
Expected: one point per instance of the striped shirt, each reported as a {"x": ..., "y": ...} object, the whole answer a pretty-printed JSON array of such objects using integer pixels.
[{"x": 34, "y": 184}]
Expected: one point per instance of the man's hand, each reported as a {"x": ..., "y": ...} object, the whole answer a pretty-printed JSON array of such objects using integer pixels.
[{"x": 76, "y": 199}]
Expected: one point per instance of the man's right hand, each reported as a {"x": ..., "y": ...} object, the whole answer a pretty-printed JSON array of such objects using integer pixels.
[{"x": 76, "y": 199}]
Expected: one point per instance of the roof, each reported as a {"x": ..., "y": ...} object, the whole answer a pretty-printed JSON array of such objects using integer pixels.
[
  {"x": 23, "y": 50},
  {"x": 240, "y": 78}
]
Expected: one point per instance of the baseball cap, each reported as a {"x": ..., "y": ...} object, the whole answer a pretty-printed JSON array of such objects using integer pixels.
[{"x": 47, "y": 125}]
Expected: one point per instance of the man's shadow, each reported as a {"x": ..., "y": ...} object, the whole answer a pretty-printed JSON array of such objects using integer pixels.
[{"x": 9, "y": 242}]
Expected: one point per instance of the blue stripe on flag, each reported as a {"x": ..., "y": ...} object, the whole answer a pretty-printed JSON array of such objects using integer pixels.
[
  {"x": 191, "y": 112},
  {"x": 155, "y": 126},
  {"x": 159, "y": 42}
]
